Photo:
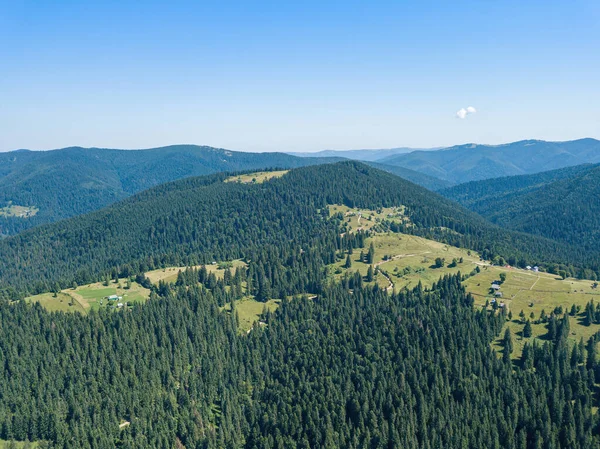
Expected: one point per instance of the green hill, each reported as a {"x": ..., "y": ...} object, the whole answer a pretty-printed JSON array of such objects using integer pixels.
[
  {"x": 71, "y": 181},
  {"x": 197, "y": 220},
  {"x": 563, "y": 205},
  {"x": 474, "y": 162}
]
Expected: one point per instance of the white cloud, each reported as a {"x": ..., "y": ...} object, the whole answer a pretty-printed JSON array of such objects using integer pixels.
[{"x": 462, "y": 112}]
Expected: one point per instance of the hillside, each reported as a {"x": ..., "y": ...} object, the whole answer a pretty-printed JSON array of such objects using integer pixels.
[
  {"x": 197, "y": 220},
  {"x": 474, "y": 162},
  {"x": 562, "y": 205},
  {"x": 71, "y": 181},
  {"x": 429, "y": 182},
  {"x": 288, "y": 346}
]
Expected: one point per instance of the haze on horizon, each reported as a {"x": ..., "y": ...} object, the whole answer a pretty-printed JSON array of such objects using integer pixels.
[{"x": 254, "y": 76}]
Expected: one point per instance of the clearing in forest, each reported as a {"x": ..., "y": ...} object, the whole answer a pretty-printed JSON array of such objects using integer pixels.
[
  {"x": 257, "y": 177},
  {"x": 402, "y": 261},
  {"x": 356, "y": 219},
  {"x": 92, "y": 297},
  {"x": 12, "y": 210},
  {"x": 249, "y": 311},
  {"x": 532, "y": 293},
  {"x": 169, "y": 274}
]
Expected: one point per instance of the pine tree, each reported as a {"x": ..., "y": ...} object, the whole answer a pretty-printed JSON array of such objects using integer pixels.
[
  {"x": 527, "y": 330},
  {"x": 370, "y": 274}
]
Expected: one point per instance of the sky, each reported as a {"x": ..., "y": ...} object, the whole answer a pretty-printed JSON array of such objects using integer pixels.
[{"x": 297, "y": 76}]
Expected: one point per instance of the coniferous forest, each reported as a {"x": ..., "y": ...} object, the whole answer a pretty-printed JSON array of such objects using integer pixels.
[
  {"x": 351, "y": 366},
  {"x": 361, "y": 370}
]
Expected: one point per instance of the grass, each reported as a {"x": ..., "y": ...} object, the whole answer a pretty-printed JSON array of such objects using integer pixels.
[
  {"x": 533, "y": 292},
  {"x": 18, "y": 211},
  {"x": 18, "y": 444},
  {"x": 170, "y": 274},
  {"x": 90, "y": 297},
  {"x": 257, "y": 177},
  {"x": 410, "y": 260},
  {"x": 249, "y": 311},
  {"x": 356, "y": 219}
]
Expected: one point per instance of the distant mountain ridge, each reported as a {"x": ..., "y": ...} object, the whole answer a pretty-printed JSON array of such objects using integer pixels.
[
  {"x": 71, "y": 181},
  {"x": 473, "y": 162},
  {"x": 369, "y": 155},
  {"x": 563, "y": 204}
]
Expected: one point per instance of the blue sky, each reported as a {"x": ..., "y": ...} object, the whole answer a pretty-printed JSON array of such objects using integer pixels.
[{"x": 296, "y": 76}]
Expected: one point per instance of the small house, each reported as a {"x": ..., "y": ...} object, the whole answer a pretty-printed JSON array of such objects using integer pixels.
[
  {"x": 113, "y": 297},
  {"x": 120, "y": 305},
  {"x": 495, "y": 287},
  {"x": 536, "y": 269},
  {"x": 528, "y": 267},
  {"x": 498, "y": 294}
]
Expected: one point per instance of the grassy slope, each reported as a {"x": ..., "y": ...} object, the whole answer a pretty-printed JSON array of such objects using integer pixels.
[
  {"x": 90, "y": 297},
  {"x": 522, "y": 290}
]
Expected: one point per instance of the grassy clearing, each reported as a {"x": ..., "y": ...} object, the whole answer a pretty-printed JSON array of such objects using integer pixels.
[
  {"x": 249, "y": 311},
  {"x": 90, "y": 297},
  {"x": 533, "y": 292},
  {"x": 18, "y": 444},
  {"x": 18, "y": 211},
  {"x": 170, "y": 274},
  {"x": 406, "y": 260},
  {"x": 257, "y": 177},
  {"x": 357, "y": 219}
]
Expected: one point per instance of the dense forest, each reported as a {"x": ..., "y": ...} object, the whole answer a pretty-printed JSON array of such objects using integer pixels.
[
  {"x": 356, "y": 369},
  {"x": 72, "y": 181},
  {"x": 198, "y": 220},
  {"x": 353, "y": 366},
  {"x": 563, "y": 205}
]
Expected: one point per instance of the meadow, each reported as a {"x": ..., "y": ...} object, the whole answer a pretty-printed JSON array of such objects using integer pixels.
[
  {"x": 90, "y": 297},
  {"x": 405, "y": 260},
  {"x": 169, "y": 274},
  {"x": 257, "y": 177},
  {"x": 18, "y": 211}
]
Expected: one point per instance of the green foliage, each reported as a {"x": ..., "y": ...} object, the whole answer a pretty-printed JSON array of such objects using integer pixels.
[
  {"x": 353, "y": 368},
  {"x": 562, "y": 204},
  {"x": 72, "y": 181}
]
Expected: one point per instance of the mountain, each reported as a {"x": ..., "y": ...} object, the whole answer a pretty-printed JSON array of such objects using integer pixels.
[
  {"x": 429, "y": 182},
  {"x": 200, "y": 219},
  {"x": 71, "y": 181},
  {"x": 352, "y": 365},
  {"x": 474, "y": 162},
  {"x": 563, "y": 205},
  {"x": 358, "y": 155}
]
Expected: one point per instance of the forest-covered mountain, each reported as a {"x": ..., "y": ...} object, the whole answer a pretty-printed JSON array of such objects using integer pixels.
[
  {"x": 561, "y": 204},
  {"x": 71, "y": 181},
  {"x": 358, "y": 155},
  {"x": 429, "y": 182},
  {"x": 353, "y": 367},
  {"x": 197, "y": 220},
  {"x": 474, "y": 162}
]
